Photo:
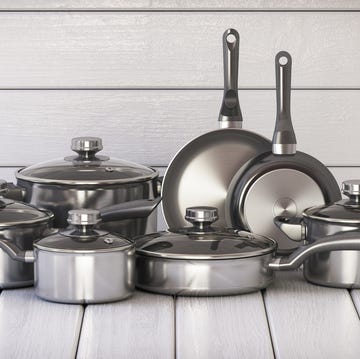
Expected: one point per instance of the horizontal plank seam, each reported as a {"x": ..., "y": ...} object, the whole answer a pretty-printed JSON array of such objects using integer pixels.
[
  {"x": 100, "y": 88},
  {"x": 180, "y": 10}
]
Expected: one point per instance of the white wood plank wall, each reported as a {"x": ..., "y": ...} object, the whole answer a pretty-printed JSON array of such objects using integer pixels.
[{"x": 147, "y": 75}]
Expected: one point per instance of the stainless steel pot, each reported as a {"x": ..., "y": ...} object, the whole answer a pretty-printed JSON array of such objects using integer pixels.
[
  {"x": 82, "y": 264},
  {"x": 20, "y": 224},
  {"x": 335, "y": 269},
  {"x": 203, "y": 260},
  {"x": 89, "y": 180}
]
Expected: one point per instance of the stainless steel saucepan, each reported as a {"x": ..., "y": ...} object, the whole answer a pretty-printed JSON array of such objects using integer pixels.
[
  {"x": 20, "y": 224},
  {"x": 282, "y": 182},
  {"x": 342, "y": 219},
  {"x": 90, "y": 180},
  {"x": 204, "y": 260},
  {"x": 81, "y": 264},
  {"x": 201, "y": 171}
]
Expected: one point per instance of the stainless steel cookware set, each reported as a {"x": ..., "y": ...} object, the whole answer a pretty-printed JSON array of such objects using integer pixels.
[{"x": 238, "y": 206}]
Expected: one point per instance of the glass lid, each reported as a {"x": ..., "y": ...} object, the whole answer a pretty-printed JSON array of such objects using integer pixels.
[
  {"x": 15, "y": 213},
  {"x": 203, "y": 241},
  {"x": 86, "y": 167},
  {"x": 83, "y": 237},
  {"x": 345, "y": 211}
]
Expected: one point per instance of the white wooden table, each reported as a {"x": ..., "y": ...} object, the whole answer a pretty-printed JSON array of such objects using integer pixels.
[{"x": 291, "y": 319}]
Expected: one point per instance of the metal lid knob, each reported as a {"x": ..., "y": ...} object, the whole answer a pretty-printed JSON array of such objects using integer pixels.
[
  {"x": 84, "y": 217},
  {"x": 351, "y": 188},
  {"x": 86, "y": 144},
  {"x": 201, "y": 214}
]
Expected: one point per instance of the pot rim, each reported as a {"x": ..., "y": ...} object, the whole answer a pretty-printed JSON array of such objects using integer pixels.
[
  {"x": 219, "y": 257},
  {"x": 41, "y": 248},
  {"x": 328, "y": 220},
  {"x": 30, "y": 179}
]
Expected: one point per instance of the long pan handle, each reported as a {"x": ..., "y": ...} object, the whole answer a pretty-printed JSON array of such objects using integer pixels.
[
  {"x": 230, "y": 113},
  {"x": 284, "y": 139}
]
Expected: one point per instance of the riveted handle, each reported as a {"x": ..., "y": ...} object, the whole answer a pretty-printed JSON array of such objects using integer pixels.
[
  {"x": 230, "y": 113},
  {"x": 284, "y": 139}
]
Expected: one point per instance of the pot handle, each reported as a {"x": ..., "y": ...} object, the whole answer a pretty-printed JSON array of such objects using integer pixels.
[
  {"x": 14, "y": 192},
  {"x": 129, "y": 210},
  {"x": 348, "y": 241},
  {"x": 16, "y": 253},
  {"x": 230, "y": 113},
  {"x": 293, "y": 227}
]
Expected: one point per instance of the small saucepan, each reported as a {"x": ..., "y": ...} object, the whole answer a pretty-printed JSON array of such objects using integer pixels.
[
  {"x": 204, "y": 260},
  {"x": 340, "y": 219},
  {"x": 81, "y": 264}
]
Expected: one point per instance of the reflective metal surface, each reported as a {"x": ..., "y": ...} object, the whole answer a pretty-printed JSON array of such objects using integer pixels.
[
  {"x": 283, "y": 182},
  {"x": 61, "y": 199},
  {"x": 203, "y": 277},
  {"x": 203, "y": 259},
  {"x": 200, "y": 173},
  {"x": 87, "y": 278},
  {"x": 89, "y": 180}
]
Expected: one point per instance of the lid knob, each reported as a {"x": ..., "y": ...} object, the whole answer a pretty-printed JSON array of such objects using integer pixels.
[
  {"x": 201, "y": 214},
  {"x": 351, "y": 188},
  {"x": 86, "y": 144},
  {"x": 84, "y": 217}
]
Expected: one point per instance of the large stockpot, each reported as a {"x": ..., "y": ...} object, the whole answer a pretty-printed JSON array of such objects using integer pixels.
[
  {"x": 20, "y": 224},
  {"x": 81, "y": 264},
  {"x": 282, "y": 182},
  {"x": 203, "y": 260},
  {"x": 89, "y": 180},
  {"x": 342, "y": 218}
]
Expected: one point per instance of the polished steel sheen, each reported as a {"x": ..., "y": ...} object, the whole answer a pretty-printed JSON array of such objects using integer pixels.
[
  {"x": 340, "y": 221},
  {"x": 200, "y": 173},
  {"x": 20, "y": 224},
  {"x": 203, "y": 260},
  {"x": 282, "y": 182},
  {"x": 90, "y": 180},
  {"x": 81, "y": 264}
]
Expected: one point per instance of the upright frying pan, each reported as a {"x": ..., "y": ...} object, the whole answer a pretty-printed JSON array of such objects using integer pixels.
[
  {"x": 200, "y": 173},
  {"x": 283, "y": 182}
]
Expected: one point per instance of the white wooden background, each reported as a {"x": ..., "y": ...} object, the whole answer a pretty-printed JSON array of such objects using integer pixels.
[{"x": 147, "y": 76}]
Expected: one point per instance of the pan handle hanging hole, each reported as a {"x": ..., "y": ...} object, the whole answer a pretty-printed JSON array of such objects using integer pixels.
[
  {"x": 231, "y": 38},
  {"x": 283, "y": 60}
]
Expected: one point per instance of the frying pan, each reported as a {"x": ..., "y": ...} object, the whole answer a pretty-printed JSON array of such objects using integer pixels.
[
  {"x": 201, "y": 171},
  {"x": 283, "y": 182}
]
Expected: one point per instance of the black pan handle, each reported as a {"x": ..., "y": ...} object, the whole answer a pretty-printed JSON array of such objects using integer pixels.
[
  {"x": 284, "y": 139},
  {"x": 230, "y": 113}
]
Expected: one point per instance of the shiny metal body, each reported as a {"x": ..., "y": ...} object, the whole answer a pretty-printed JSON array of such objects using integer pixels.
[
  {"x": 61, "y": 198},
  {"x": 14, "y": 274},
  {"x": 339, "y": 269},
  {"x": 84, "y": 278},
  {"x": 203, "y": 277},
  {"x": 283, "y": 182},
  {"x": 200, "y": 173}
]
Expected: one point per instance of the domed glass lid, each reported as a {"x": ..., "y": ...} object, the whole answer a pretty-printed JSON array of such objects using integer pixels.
[
  {"x": 203, "y": 241},
  {"x": 345, "y": 211},
  {"x": 86, "y": 168},
  {"x": 83, "y": 237},
  {"x": 14, "y": 213}
]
